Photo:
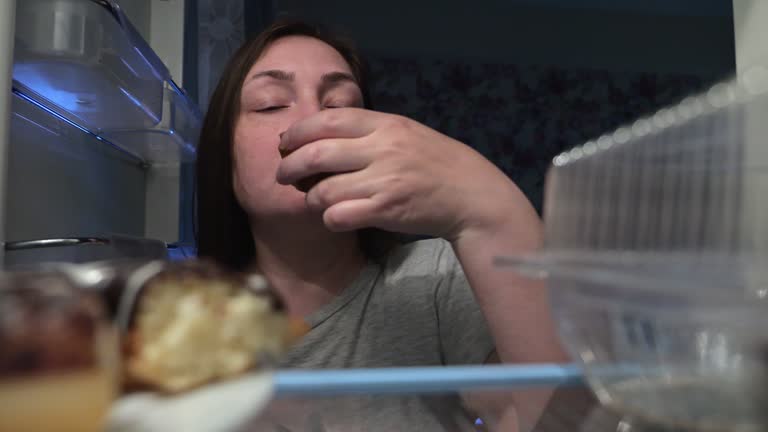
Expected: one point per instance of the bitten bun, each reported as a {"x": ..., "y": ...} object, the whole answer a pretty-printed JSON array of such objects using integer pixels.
[{"x": 193, "y": 323}]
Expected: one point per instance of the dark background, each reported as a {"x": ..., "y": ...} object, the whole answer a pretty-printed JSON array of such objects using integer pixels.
[{"x": 519, "y": 80}]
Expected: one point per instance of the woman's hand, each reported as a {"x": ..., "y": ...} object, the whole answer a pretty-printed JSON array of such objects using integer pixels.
[
  {"x": 396, "y": 174},
  {"x": 399, "y": 175}
]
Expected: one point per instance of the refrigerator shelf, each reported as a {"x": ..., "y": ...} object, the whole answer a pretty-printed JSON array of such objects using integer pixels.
[{"x": 84, "y": 61}]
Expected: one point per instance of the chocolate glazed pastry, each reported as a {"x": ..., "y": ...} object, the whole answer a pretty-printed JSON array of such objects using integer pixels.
[
  {"x": 58, "y": 354},
  {"x": 47, "y": 326}
]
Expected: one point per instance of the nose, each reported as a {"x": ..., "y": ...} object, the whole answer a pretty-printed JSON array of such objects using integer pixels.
[
  {"x": 307, "y": 106},
  {"x": 303, "y": 108}
]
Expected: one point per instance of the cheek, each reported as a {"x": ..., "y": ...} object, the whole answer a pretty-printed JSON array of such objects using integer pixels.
[
  {"x": 255, "y": 161},
  {"x": 256, "y": 136},
  {"x": 255, "y": 164},
  {"x": 256, "y": 148}
]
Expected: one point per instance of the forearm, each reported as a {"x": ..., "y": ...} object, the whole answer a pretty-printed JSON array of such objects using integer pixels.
[{"x": 517, "y": 309}]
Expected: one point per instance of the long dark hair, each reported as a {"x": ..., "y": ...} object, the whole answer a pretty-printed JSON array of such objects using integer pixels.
[{"x": 223, "y": 231}]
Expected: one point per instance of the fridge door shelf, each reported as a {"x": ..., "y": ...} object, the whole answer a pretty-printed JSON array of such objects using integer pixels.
[
  {"x": 32, "y": 253},
  {"x": 85, "y": 62}
]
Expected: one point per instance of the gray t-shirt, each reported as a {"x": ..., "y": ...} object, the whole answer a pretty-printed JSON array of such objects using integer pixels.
[{"x": 416, "y": 309}]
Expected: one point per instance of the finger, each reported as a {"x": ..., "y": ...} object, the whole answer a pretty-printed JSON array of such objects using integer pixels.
[
  {"x": 352, "y": 215},
  {"x": 324, "y": 156},
  {"x": 341, "y": 187},
  {"x": 332, "y": 123}
]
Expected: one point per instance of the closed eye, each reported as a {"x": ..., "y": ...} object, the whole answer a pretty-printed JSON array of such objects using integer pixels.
[
  {"x": 332, "y": 105},
  {"x": 271, "y": 109}
]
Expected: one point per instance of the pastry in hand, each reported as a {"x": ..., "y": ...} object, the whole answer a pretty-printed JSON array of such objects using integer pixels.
[{"x": 306, "y": 183}]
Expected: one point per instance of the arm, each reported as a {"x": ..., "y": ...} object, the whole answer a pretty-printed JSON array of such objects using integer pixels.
[
  {"x": 516, "y": 309},
  {"x": 402, "y": 176},
  {"x": 399, "y": 175}
]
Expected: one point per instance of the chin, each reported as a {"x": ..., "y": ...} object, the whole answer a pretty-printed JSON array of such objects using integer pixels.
[
  {"x": 289, "y": 203},
  {"x": 295, "y": 200},
  {"x": 295, "y": 205}
]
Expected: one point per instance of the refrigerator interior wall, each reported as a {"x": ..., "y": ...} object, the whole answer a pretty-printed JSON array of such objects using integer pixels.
[
  {"x": 100, "y": 130},
  {"x": 64, "y": 182}
]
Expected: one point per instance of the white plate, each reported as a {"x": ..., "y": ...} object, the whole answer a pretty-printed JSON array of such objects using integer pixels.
[{"x": 224, "y": 407}]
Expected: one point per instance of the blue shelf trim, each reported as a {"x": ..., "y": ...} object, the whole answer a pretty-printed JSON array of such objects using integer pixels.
[{"x": 424, "y": 379}]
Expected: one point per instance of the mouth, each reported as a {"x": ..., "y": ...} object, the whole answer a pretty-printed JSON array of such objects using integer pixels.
[{"x": 306, "y": 183}]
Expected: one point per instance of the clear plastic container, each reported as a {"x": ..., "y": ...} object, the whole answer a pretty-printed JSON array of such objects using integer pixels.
[
  {"x": 83, "y": 60},
  {"x": 673, "y": 339},
  {"x": 655, "y": 252},
  {"x": 688, "y": 178}
]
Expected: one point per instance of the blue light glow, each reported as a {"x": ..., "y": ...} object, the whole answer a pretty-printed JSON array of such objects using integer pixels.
[
  {"x": 30, "y": 76},
  {"x": 138, "y": 103},
  {"x": 149, "y": 64},
  {"x": 20, "y": 94},
  {"x": 129, "y": 67},
  {"x": 31, "y": 100}
]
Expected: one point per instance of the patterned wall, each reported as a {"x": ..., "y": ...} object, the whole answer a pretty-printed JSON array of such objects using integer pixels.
[
  {"x": 220, "y": 33},
  {"x": 521, "y": 116},
  {"x": 517, "y": 116}
]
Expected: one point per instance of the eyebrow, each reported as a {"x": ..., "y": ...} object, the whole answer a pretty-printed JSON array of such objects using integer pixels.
[
  {"x": 334, "y": 79},
  {"x": 329, "y": 80},
  {"x": 277, "y": 74},
  {"x": 337, "y": 77}
]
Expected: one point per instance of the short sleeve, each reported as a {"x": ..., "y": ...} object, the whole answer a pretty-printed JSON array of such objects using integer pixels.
[{"x": 463, "y": 331}]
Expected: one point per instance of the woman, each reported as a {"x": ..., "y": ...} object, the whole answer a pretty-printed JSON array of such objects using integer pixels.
[{"x": 323, "y": 245}]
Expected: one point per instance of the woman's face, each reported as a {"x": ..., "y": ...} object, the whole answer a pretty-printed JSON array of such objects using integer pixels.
[{"x": 295, "y": 77}]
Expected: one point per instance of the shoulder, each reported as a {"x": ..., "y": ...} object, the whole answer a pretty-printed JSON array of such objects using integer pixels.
[
  {"x": 410, "y": 281},
  {"x": 432, "y": 258}
]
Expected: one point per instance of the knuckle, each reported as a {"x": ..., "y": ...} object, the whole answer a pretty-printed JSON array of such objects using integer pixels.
[
  {"x": 324, "y": 192},
  {"x": 315, "y": 155},
  {"x": 399, "y": 121},
  {"x": 399, "y": 141},
  {"x": 333, "y": 120},
  {"x": 382, "y": 203},
  {"x": 396, "y": 199},
  {"x": 338, "y": 220},
  {"x": 333, "y": 220},
  {"x": 392, "y": 147},
  {"x": 393, "y": 184}
]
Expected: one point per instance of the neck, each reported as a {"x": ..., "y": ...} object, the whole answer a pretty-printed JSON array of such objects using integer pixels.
[{"x": 307, "y": 264}]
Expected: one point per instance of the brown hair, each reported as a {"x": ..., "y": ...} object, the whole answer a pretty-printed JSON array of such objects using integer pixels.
[{"x": 223, "y": 231}]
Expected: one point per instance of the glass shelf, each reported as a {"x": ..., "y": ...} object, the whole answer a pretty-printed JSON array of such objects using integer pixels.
[
  {"x": 351, "y": 399},
  {"x": 387, "y": 399}
]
